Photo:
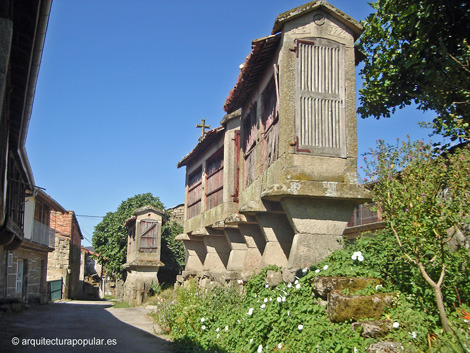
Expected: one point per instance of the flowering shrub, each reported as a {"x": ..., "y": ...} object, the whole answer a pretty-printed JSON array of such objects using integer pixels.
[{"x": 425, "y": 202}]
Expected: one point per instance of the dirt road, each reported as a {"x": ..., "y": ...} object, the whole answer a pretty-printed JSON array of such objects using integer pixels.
[{"x": 80, "y": 326}]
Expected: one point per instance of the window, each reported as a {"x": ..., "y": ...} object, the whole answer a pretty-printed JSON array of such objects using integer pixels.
[
  {"x": 320, "y": 96},
  {"x": 215, "y": 179},
  {"x": 42, "y": 212}
]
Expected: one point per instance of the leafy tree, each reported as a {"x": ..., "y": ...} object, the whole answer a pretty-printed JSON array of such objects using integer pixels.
[
  {"x": 173, "y": 254},
  {"x": 417, "y": 51},
  {"x": 110, "y": 236},
  {"x": 425, "y": 201}
]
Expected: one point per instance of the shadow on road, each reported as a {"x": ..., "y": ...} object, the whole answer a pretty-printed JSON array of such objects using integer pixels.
[{"x": 75, "y": 327}]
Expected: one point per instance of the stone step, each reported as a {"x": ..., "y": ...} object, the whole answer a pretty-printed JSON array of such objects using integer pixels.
[{"x": 324, "y": 285}]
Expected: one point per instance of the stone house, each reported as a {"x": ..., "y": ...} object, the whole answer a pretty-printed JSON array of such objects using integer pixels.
[
  {"x": 289, "y": 186},
  {"x": 64, "y": 261},
  {"x": 363, "y": 220},
  {"x": 23, "y": 27},
  {"x": 27, "y": 265},
  {"x": 91, "y": 275}
]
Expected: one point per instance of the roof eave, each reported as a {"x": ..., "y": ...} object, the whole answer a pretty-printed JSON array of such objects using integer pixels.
[{"x": 350, "y": 22}]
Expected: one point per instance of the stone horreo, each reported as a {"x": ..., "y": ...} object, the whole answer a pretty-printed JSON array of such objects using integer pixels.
[
  {"x": 143, "y": 253},
  {"x": 276, "y": 184}
]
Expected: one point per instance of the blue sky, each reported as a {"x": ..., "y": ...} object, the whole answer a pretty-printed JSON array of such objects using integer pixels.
[{"x": 123, "y": 84}]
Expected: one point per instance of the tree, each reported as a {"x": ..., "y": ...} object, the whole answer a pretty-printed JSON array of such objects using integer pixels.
[
  {"x": 110, "y": 236},
  {"x": 173, "y": 253},
  {"x": 417, "y": 52},
  {"x": 425, "y": 202}
]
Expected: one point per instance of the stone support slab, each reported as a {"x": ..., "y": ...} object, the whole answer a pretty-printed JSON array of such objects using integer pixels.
[
  {"x": 318, "y": 225},
  {"x": 218, "y": 253},
  {"x": 137, "y": 285},
  {"x": 238, "y": 252},
  {"x": 278, "y": 235},
  {"x": 256, "y": 244},
  {"x": 195, "y": 254}
]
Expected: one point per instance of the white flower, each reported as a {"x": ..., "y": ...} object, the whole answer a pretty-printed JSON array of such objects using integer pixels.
[
  {"x": 240, "y": 281},
  {"x": 325, "y": 267},
  {"x": 414, "y": 334},
  {"x": 265, "y": 300},
  {"x": 279, "y": 299},
  {"x": 279, "y": 345},
  {"x": 251, "y": 340},
  {"x": 357, "y": 255},
  {"x": 226, "y": 328},
  {"x": 239, "y": 321},
  {"x": 356, "y": 350},
  {"x": 288, "y": 313},
  {"x": 260, "y": 348},
  {"x": 304, "y": 271},
  {"x": 283, "y": 299},
  {"x": 378, "y": 286},
  {"x": 266, "y": 286},
  {"x": 270, "y": 299},
  {"x": 256, "y": 295},
  {"x": 289, "y": 285},
  {"x": 263, "y": 306},
  {"x": 360, "y": 258},
  {"x": 203, "y": 327},
  {"x": 218, "y": 335},
  {"x": 217, "y": 329},
  {"x": 300, "y": 327},
  {"x": 396, "y": 325},
  {"x": 202, "y": 320},
  {"x": 317, "y": 270},
  {"x": 297, "y": 286},
  {"x": 296, "y": 281},
  {"x": 250, "y": 311}
]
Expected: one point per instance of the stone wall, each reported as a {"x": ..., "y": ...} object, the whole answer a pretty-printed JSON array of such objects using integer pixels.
[
  {"x": 58, "y": 263},
  {"x": 35, "y": 264},
  {"x": 177, "y": 214}
]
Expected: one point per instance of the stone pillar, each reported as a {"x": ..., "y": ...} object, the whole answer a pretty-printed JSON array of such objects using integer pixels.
[
  {"x": 256, "y": 243},
  {"x": 278, "y": 234},
  {"x": 195, "y": 255},
  {"x": 238, "y": 252},
  {"x": 318, "y": 225},
  {"x": 218, "y": 252}
]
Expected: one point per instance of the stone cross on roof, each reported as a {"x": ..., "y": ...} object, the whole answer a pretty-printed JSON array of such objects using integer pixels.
[{"x": 203, "y": 127}]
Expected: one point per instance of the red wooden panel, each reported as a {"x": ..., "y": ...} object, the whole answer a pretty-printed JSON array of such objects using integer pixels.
[
  {"x": 215, "y": 179},
  {"x": 194, "y": 193}
]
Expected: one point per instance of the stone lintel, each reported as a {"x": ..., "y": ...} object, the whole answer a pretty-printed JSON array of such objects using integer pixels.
[
  {"x": 235, "y": 219},
  {"x": 182, "y": 236},
  {"x": 222, "y": 225},
  {"x": 200, "y": 232},
  {"x": 316, "y": 189},
  {"x": 143, "y": 265},
  {"x": 252, "y": 208}
]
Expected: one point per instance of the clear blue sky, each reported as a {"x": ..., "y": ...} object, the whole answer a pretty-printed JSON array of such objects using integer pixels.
[{"x": 123, "y": 83}]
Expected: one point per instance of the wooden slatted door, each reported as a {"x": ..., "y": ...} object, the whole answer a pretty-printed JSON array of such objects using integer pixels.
[
  {"x": 149, "y": 230},
  {"x": 320, "y": 126}
]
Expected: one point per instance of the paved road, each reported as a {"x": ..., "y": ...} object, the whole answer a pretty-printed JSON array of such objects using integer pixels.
[{"x": 80, "y": 326}]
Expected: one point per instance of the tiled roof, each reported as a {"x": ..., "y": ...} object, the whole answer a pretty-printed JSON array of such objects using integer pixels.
[{"x": 206, "y": 141}]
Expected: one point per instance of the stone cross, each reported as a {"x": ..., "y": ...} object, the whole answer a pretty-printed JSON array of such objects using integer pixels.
[{"x": 203, "y": 127}]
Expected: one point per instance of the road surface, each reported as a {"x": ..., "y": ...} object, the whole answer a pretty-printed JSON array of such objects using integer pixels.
[{"x": 80, "y": 326}]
